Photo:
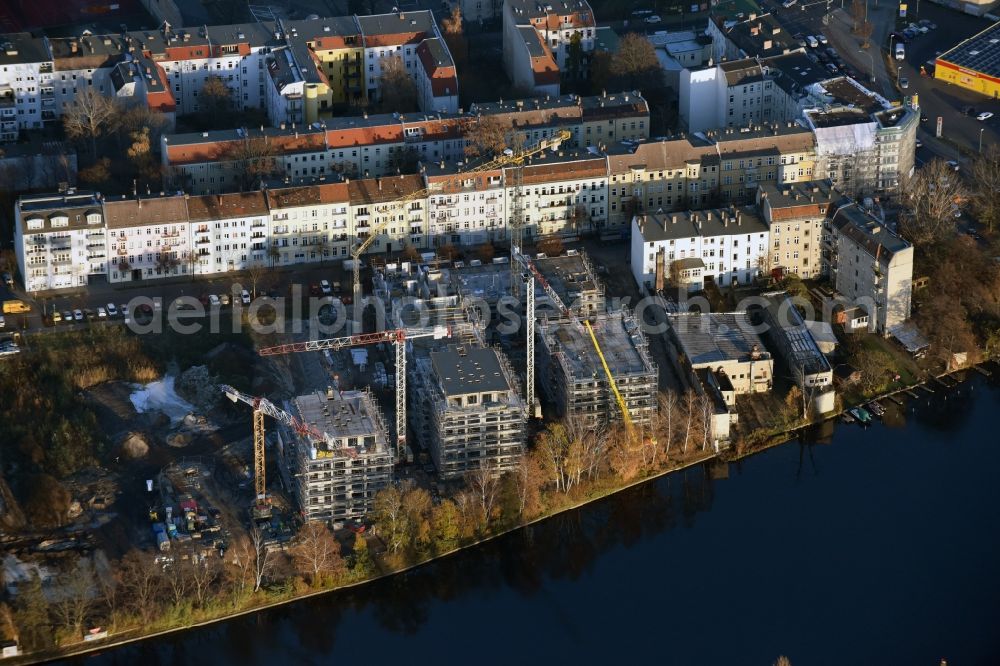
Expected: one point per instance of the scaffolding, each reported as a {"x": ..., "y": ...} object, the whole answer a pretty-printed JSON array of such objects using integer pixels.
[
  {"x": 572, "y": 376},
  {"x": 335, "y": 487},
  {"x": 574, "y": 281},
  {"x": 470, "y": 414}
]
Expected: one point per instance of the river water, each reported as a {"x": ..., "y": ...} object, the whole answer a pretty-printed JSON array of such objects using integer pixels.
[{"x": 876, "y": 546}]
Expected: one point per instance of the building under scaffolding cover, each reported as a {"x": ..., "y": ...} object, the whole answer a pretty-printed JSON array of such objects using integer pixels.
[
  {"x": 338, "y": 479},
  {"x": 571, "y": 375},
  {"x": 469, "y": 411}
]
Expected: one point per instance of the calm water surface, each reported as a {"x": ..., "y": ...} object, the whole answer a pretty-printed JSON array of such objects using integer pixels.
[{"x": 877, "y": 546}]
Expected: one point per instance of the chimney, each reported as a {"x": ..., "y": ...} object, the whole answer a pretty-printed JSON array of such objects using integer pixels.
[
  {"x": 74, "y": 47},
  {"x": 378, "y": 182}
]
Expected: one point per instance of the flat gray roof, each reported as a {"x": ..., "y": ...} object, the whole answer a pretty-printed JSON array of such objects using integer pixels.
[
  {"x": 463, "y": 369},
  {"x": 346, "y": 414},
  {"x": 716, "y": 337}
]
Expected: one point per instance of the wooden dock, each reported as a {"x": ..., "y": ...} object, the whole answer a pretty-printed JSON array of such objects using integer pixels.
[
  {"x": 983, "y": 371},
  {"x": 925, "y": 387},
  {"x": 895, "y": 399}
]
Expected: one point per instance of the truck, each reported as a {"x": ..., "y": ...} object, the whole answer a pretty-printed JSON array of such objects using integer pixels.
[
  {"x": 15, "y": 306},
  {"x": 900, "y": 51}
]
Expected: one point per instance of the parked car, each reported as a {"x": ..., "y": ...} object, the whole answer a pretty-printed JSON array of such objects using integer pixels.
[
  {"x": 652, "y": 19},
  {"x": 923, "y": 117},
  {"x": 102, "y": 313},
  {"x": 245, "y": 297},
  {"x": 324, "y": 285},
  {"x": 822, "y": 39},
  {"x": 3, "y": 322},
  {"x": 8, "y": 279},
  {"x": 904, "y": 83},
  {"x": 224, "y": 298},
  {"x": 832, "y": 68},
  {"x": 953, "y": 164},
  {"x": 919, "y": 144},
  {"x": 214, "y": 301},
  {"x": 78, "y": 315},
  {"x": 56, "y": 317},
  {"x": 112, "y": 310},
  {"x": 788, "y": 3},
  {"x": 124, "y": 309},
  {"x": 812, "y": 42},
  {"x": 985, "y": 115},
  {"x": 314, "y": 289}
]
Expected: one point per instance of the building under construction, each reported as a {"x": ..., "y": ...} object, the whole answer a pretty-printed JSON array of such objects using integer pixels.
[
  {"x": 573, "y": 280},
  {"x": 468, "y": 412},
  {"x": 571, "y": 374},
  {"x": 338, "y": 479}
]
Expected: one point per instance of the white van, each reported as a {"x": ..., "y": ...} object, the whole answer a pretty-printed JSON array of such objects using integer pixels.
[
  {"x": 812, "y": 41},
  {"x": 900, "y": 52}
]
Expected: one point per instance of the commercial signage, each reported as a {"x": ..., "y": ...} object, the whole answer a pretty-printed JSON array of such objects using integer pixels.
[{"x": 902, "y": 10}]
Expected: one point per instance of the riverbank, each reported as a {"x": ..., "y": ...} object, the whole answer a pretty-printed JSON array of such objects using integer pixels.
[
  {"x": 129, "y": 636},
  {"x": 278, "y": 599}
]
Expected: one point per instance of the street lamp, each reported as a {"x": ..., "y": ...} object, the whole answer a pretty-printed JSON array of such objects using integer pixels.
[
  {"x": 872, "y": 57},
  {"x": 981, "y": 140}
]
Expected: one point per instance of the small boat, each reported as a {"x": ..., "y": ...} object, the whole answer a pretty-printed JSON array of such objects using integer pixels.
[
  {"x": 846, "y": 417},
  {"x": 875, "y": 408},
  {"x": 861, "y": 414}
]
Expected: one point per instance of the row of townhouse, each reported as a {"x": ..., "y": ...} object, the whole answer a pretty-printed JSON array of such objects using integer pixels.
[
  {"x": 299, "y": 71},
  {"x": 383, "y": 144},
  {"x": 564, "y": 191}
]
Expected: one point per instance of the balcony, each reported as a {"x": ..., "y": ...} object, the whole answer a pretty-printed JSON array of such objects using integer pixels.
[
  {"x": 203, "y": 241},
  {"x": 91, "y": 246}
]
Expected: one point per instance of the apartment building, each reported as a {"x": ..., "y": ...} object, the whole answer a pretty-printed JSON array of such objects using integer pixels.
[
  {"x": 762, "y": 36},
  {"x": 700, "y": 171},
  {"x": 464, "y": 208},
  {"x": 736, "y": 93},
  {"x": 308, "y": 223},
  {"x": 537, "y": 39},
  {"x": 381, "y": 144},
  {"x": 37, "y": 165},
  {"x": 469, "y": 414},
  {"x": 337, "y": 478},
  {"x": 868, "y": 265},
  {"x": 562, "y": 193},
  {"x": 60, "y": 240},
  {"x": 230, "y": 231},
  {"x": 149, "y": 237},
  {"x": 732, "y": 243},
  {"x": 794, "y": 213},
  {"x": 376, "y": 201},
  {"x": 25, "y": 68}
]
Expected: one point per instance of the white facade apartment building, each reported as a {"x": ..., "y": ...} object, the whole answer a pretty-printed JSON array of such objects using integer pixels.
[
  {"x": 230, "y": 231},
  {"x": 309, "y": 224},
  {"x": 557, "y": 24},
  {"x": 737, "y": 93},
  {"x": 148, "y": 238},
  {"x": 730, "y": 242},
  {"x": 565, "y": 193},
  {"x": 59, "y": 240},
  {"x": 464, "y": 209},
  {"x": 25, "y": 68},
  {"x": 377, "y": 201},
  {"x": 869, "y": 265}
]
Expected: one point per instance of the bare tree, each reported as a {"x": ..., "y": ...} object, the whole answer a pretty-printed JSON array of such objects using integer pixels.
[
  {"x": 140, "y": 581},
  {"x": 485, "y": 486},
  {"x": 202, "y": 572},
  {"x": 252, "y": 159},
  {"x": 666, "y": 415},
  {"x": 177, "y": 582},
  {"x": 390, "y": 517},
  {"x": 931, "y": 198},
  {"x": 634, "y": 64},
  {"x": 77, "y": 597},
  {"x": 527, "y": 479},
  {"x": 454, "y": 37},
  {"x": 316, "y": 553},
  {"x": 985, "y": 192},
  {"x": 215, "y": 103},
  {"x": 255, "y": 273},
  {"x": 89, "y": 116},
  {"x": 691, "y": 409},
  {"x": 485, "y": 136},
  {"x": 398, "y": 91}
]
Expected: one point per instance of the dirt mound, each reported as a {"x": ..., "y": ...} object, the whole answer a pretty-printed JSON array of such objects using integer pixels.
[
  {"x": 199, "y": 387},
  {"x": 134, "y": 446},
  {"x": 179, "y": 440}
]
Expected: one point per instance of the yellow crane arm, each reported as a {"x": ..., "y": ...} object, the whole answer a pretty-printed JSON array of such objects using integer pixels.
[{"x": 611, "y": 380}]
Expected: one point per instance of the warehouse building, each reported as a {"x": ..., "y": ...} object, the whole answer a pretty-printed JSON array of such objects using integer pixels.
[
  {"x": 571, "y": 375},
  {"x": 974, "y": 64},
  {"x": 469, "y": 413},
  {"x": 338, "y": 479},
  {"x": 726, "y": 345}
]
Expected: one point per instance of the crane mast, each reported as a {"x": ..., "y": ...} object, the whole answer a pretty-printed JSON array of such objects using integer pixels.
[{"x": 397, "y": 337}]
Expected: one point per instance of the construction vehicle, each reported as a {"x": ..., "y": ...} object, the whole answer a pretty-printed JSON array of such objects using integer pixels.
[
  {"x": 507, "y": 158},
  {"x": 261, "y": 509},
  {"x": 398, "y": 338}
]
